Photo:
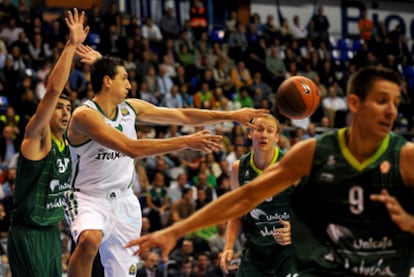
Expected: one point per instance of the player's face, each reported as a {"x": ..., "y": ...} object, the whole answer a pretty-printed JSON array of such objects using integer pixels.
[
  {"x": 121, "y": 84},
  {"x": 376, "y": 115},
  {"x": 265, "y": 135},
  {"x": 61, "y": 115}
]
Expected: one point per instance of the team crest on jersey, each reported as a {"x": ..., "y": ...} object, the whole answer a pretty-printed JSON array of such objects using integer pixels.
[
  {"x": 124, "y": 111},
  {"x": 385, "y": 167},
  {"x": 132, "y": 270}
]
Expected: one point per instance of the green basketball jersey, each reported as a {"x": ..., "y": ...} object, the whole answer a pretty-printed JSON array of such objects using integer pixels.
[
  {"x": 336, "y": 229},
  {"x": 259, "y": 224},
  {"x": 40, "y": 188}
]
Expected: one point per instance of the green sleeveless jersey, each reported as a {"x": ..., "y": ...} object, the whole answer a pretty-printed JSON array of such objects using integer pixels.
[
  {"x": 40, "y": 188},
  {"x": 258, "y": 225},
  {"x": 336, "y": 229}
]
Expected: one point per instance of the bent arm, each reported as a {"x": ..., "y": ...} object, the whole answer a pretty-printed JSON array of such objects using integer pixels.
[{"x": 88, "y": 124}]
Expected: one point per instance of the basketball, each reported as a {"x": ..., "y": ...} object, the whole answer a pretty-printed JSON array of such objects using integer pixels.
[{"x": 297, "y": 97}]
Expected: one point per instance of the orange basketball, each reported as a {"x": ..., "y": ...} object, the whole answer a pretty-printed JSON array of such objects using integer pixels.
[{"x": 297, "y": 97}]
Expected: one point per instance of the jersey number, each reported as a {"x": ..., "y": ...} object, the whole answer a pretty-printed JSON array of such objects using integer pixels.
[{"x": 356, "y": 200}]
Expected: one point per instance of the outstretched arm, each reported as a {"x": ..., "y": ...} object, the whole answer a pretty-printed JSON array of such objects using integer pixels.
[
  {"x": 147, "y": 112},
  {"x": 36, "y": 143},
  {"x": 275, "y": 179}
]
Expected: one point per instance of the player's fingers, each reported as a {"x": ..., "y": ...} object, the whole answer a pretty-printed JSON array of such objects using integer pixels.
[
  {"x": 69, "y": 17},
  {"x": 75, "y": 15}
]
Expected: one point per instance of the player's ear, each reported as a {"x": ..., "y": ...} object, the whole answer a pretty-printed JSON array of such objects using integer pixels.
[
  {"x": 107, "y": 81},
  {"x": 249, "y": 134},
  {"x": 354, "y": 102}
]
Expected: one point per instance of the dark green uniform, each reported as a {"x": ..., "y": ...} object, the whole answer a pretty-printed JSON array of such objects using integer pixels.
[
  {"x": 337, "y": 229},
  {"x": 261, "y": 255},
  {"x": 34, "y": 245}
]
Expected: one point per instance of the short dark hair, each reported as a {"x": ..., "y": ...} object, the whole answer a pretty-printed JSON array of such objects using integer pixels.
[
  {"x": 105, "y": 66},
  {"x": 64, "y": 95},
  {"x": 361, "y": 82}
]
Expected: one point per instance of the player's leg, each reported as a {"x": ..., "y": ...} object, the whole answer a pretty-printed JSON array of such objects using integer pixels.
[
  {"x": 116, "y": 259},
  {"x": 82, "y": 258},
  {"x": 88, "y": 224},
  {"x": 27, "y": 249}
]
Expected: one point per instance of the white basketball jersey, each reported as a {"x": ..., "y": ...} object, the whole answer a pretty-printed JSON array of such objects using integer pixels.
[{"x": 97, "y": 168}]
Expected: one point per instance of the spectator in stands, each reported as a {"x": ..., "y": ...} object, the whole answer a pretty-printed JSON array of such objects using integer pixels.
[
  {"x": 285, "y": 33},
  {"x": 168, "y": 24},
  {"x": 175, "y": 190},
  {"x": 202, "y": 264},
  {"x": 270, "y": 29},
  {"x": 184, "y": 251},
  {"x": 198, "y": 18},
  {"x": 186, "y": 57},
  {"x": 222, "y": 77},
  {"x": 204, "y": 98},
  {"x": 257, "y": 52},
  {"x": 201, "y": 56},
  {"x": 217, "y": 241},
  {"x": 147, "y": 95},
  {"x": 237, "y": 42},
  {"x": 184, "y": 207},
  {"x": 165, "y": 82},
  {"x": 146, "y": 225},
  {"x": 9, "y": 145},
  {"x": 365, "y": 26},
  {"x": 335, "y": 107},
  {"x": 39, "y": 51},
  {"x": 147, "y": 59},
  {"x": 276, "y": 67},
  {"x": 240, "y": 75},
  {"x": 321, "y": 24},
  {"x": 298, "y": 32},
  {"x": 243, "y": 98},
  {"x": 187, "y": 97},
  {"x": 77, "y": 80},
  {"x": 158, "y": 202},
  {"x": 311, "y": 131},
  {"x": 10, "y": 32},
  {"x": 95, "y": 20},
  {"x": 152, "y": 32},
  {"x": 150, "y": 268},
  {"x": 173, "y": 98}
]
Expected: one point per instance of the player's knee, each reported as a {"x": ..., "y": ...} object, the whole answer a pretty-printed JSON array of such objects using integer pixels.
[{"x": 89, "y": 242}]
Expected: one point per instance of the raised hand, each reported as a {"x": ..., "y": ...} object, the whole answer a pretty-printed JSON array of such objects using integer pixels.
[
  {"x": 397, "y": 213},
  {"x": 87, "y": 54},
  {"x": 74, "y": 21},
  {"x": 245, "y": 115},
  {"x": 282, "y": 235},
  {"x": 204, "y": 141}
]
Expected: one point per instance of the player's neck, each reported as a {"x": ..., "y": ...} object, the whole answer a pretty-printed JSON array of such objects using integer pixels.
[
  {"x": 362, "y": 148},
  {"x": 106, "y": 106},
  {"x": 262, "y": 159}
]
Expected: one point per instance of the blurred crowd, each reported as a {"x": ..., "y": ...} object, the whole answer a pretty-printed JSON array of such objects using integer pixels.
[{"x": 183, "y": 66}]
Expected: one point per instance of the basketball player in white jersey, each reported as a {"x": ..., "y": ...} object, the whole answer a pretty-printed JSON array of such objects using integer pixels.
[{"x": 103, "y": 211}]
